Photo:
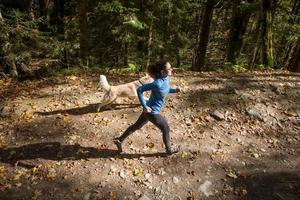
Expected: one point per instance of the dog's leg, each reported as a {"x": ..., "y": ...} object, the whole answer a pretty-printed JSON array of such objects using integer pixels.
[
  {"x": 112, "y": 98},
  {"x": 107, "y": 100},
  {"x": 111, "y": 102},
  {"x": 103, "y": 102}
]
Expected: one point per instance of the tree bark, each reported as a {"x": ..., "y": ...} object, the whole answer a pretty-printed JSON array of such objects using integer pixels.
[
  {"x": 178, "y": 59},
  {"x": 289, "y": 44},
  {"x": 125, "y": 61},
  {"x": 294, "y": 64},
  {"x": 59, "y": 6},
  {"x": 28, "y": 5},
  {"x": 266, "y": 34},
  {"x": 239, "y": 23},
  {"x": 83, "y": 26},
  {"x": 43, "y": 6},
  {"x": 6, "y": 60},
  {"x": 198, "y": 21},
  {"x": 149, "y": 43},
  {"x": 204, "y": 36},
  {"x": 30, "y": 10},
  {"x": 256, "y": 29}
]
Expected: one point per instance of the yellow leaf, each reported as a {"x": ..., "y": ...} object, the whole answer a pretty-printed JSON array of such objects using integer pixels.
[
  {"x": 4, "y": 186},
  {"x": 184, "y": 155},
  {"x": 27, "y": 115},
  {"x": 2, "y": 170},
  {"x": 66, "y": 119},
  {"x": 51, "y": 173},
  {"x": 36, "y": 194},
  {"x": 150, "y": 145},
  {"x": 2, "y": 146},
  {"x": 289, "y": 113},
  {"x": 72, "y": 77},
  {"x": 137, "y": 172},
  {"x": 18, "y": 185}
]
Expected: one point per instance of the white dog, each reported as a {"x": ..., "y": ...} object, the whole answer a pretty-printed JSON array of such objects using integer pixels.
[{"x": 123, "y": 90}]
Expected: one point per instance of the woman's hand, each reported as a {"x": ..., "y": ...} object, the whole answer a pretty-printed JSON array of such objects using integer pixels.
[{"x": 147, "y": 110}]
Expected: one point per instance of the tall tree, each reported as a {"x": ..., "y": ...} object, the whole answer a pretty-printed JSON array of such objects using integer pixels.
[
  {"x": 5, "y": 49},
  {"x": 59, "y": 12},
  {"x": 294, "y": 62},
  {"x": 289, "y": 45},
  {"x": 83, "y": 26},
  {"x": 239, "y": 22},
  {"x": 266, "y": 33},
  {"x": 149, "y": 43},
  {"x": 198, "y": 21},
  {"x": 204, "y": 36},
  {"x": 29, "y": 7}
]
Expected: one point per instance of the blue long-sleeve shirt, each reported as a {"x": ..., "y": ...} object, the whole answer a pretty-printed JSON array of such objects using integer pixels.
[{"x": 159, "y": 89}]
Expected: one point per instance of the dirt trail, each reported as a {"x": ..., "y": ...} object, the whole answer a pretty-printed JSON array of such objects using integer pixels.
[{"x": 239, "y": 135}]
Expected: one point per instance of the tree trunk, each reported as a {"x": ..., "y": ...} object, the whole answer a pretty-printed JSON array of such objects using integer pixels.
[
  {"x": 30, "y": 10},
  {"x": 178, "y": 59},
  {"x": 294, "y": 64},
  {"x": 256, "y": 29},
  {"x": 59, "y": 6},
  {"x": 149, "y": 43},
  {"x": 42, "y": 8},
  {"x": 125, "y": 61},
  {"x": 204, "y": 36},
  {"x": 239, "y": 23},
  {"x": 145, "y": 44},
  {"x": 255, "y": 53},
  {"x": 7, "y": 61},
  {"x": 289, "y": 44},
  {"x": 266, "y": 34},
  {"x": 198, "y": 21},
  {"x": 43, "y": 12},
  {"x": 13, "y": 69},
  {"x": 28, "y": 5},
  {"x": 83, "y": 26}
]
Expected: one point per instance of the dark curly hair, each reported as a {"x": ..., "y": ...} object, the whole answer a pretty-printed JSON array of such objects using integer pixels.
[{"x": 154, "y": 70}]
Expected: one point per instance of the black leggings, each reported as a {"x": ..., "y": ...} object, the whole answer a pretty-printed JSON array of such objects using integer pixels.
[{"x": 157, "y": 120}]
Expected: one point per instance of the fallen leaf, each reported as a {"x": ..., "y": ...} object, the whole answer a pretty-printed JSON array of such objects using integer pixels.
[
  {"x": 232, "y": 175},
  {"x": 150, "y": 145},
  {"x": 66, "y": 119},
  {"x": 36, "y": 194},
  {"x": 137, "y": 172}
]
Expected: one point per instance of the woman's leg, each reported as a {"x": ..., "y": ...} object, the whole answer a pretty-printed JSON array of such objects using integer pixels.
[
  {"x": 142, "y": 120},
  {"x": 163, "y": 125}
]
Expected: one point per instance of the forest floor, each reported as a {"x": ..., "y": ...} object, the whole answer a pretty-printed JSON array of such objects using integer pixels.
[{"x": 239, "y": 134}]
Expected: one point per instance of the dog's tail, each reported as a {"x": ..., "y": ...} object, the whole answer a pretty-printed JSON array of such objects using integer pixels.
[{"x": 104, "y": 83}]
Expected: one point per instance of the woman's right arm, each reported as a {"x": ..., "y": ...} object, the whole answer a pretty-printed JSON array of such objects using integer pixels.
[{"x": 142, "y": 89}]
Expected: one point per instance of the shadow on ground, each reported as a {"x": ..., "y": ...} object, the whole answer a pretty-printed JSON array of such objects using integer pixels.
[
  {"x": 92, "y": 108},
  {"x": 57, "y": 151},
  {"x": 271, "y": 186}
]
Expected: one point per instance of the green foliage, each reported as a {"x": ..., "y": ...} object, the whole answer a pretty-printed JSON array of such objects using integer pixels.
[
  {"x": 134, "y": 23},
  {"x": 132, "y": 68},
  {"x": 118, "y": 32},
  {"x": 186, "y": 66},
  {"x": 239, "y": 67},
  {"x": 75, "y": 70},
  {"x": 25, "y": 41}
]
